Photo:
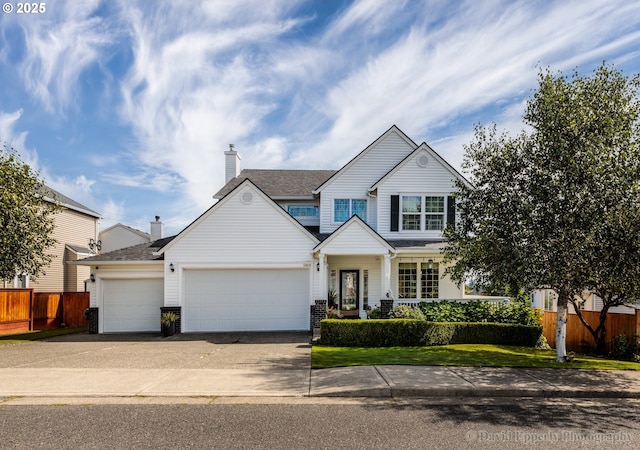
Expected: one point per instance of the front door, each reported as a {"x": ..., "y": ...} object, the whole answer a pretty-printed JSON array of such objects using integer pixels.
[{"x": 349, "y": 292}]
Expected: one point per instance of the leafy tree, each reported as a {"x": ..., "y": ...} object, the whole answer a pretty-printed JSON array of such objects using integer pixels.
[
  {"x": 554, "y": 207},
  {"x": 26, "y": 219}
]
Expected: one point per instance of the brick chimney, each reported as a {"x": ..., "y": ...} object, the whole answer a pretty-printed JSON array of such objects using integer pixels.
[
  {"x": 157, "y": 231},
  {"x": 231, "y": 164}
]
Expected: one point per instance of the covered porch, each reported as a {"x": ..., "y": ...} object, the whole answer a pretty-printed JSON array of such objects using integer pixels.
[{"x": 354, "y": 268}]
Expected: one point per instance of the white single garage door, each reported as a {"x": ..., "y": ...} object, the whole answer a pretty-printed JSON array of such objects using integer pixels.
[
  {"x": 246, "y": 300},
  {"x": 132, "y": 305}
]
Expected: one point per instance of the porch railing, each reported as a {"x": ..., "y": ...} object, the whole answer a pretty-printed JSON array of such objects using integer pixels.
[{"x": 495, "y": 301}]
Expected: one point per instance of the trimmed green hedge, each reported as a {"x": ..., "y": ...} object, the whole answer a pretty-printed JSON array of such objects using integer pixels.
[{"x": 411, "y": 332}]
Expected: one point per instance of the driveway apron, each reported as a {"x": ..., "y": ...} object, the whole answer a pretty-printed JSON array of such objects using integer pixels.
[{"x": 220, "y": 364}]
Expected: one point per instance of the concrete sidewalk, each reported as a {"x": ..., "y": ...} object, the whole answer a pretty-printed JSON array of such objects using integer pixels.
[{"x": 367, "y": 381}]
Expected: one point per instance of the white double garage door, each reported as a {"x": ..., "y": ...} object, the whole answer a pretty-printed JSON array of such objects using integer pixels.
[{"x": 214, "y": 300}]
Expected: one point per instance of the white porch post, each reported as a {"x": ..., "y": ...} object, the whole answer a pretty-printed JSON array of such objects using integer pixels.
[
  {"x": 324, "y": 295},
  {"x": 386, "y": 271}
]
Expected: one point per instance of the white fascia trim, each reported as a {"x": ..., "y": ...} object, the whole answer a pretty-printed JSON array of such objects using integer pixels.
[
  {"x": 241, "y": 265},
  {"x": 129, "y": 275},
  {"x": 116, "y": 263}
]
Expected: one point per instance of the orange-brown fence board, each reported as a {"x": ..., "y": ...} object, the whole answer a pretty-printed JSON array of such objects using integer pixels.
[
  {"x": 23, "y": 310},
  {"x": 578, "y": 337},
  {"x": 47, "y": 310},
  {"x": 15, "y": 310},
  {"x": 75, "y": 304}
]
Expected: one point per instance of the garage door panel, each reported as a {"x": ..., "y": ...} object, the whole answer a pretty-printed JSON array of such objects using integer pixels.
[
  {"x": 246, "y": 300},
  {"x": 132, "y": 305}
]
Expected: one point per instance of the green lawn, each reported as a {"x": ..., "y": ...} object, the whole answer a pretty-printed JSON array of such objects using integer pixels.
[
  {"x": 21, "y": 338},
  {"x": 323, "y": 357}
]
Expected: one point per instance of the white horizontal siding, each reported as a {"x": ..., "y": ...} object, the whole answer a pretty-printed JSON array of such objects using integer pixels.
[
  {"x": 355, "y": 181},
  {"x": 412, "y": 179},
  {"x": 235, "y": 234},
  {"x": 354, "y": 239}
]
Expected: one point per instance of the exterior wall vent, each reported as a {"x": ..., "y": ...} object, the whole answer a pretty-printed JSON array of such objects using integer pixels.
[
  {"x": 422, "y": 160},
  {"x": 246, "y": 197}
]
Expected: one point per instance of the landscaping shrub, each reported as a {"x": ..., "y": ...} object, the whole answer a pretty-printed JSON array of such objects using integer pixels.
[
  {"x": 406, "y": 312},
  {"x": 411, "y": 332},
  {"x": 443, "y": 311},
  {"x": 372, "y": 332},
  {"x": 625, "y": 348},
  {"x": 480, "y": 311}
]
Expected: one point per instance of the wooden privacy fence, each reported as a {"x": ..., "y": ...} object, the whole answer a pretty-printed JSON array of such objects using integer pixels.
[
  {"x": 24, "y": 310},
  {"x": 578, "y": 337}
]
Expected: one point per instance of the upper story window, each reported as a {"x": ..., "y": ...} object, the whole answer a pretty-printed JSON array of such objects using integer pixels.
[
  {"x": 423, "y": 213},
  {"x": 343, "y": 208},
  {"x": 303, "y": 210}
]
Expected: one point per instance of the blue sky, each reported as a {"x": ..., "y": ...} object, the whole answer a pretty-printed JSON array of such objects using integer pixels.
[{"x": 127, "y": 107}]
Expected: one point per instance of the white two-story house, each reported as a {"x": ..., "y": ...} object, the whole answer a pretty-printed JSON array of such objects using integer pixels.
[{"x": 279, "y": 242}]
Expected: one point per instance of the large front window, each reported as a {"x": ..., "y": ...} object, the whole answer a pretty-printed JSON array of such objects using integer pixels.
[
  {"x": 410, "y": 285},
  {"x": 407, "y": 280},
  {"x": 429, "y": 279},
  {"x": 343, "y": 208},
  {"x": 423, "y": 213}
]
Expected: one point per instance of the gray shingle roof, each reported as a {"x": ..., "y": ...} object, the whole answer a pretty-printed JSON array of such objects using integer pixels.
[
  {"x": 68, "y": 202},
  {"x": 280, "y": 183},
  {"x": 140, "y": 252}
]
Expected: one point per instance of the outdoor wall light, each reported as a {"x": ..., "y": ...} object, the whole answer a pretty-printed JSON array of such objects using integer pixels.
[
  {"x": 172, "y": 268},
  {"x": 92, "y": 277},
  {"x": 430, "y": 264},
  {"x": 318, "y": 267}
]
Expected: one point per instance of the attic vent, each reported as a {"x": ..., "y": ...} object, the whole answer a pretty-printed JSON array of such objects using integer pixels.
[
  {"x": 423, "y": 160},
  {"x": 247, "y": 197}
]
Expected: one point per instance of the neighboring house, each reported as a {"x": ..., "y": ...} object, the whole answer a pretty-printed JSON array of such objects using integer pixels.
[
  {"x": 121, "y": 236},
  {"x": 547, "y": 300},
  {"x": 281, "y": 243},
  {"x": 76, "y": 231}
]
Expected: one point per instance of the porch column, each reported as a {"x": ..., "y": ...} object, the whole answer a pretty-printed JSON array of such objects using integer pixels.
[
  {"x": 324, "y": 295},
  {"x": 386, "y": 271}
]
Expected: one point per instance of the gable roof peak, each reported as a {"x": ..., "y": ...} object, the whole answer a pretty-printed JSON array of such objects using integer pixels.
[{"x": 393, "y": 129}]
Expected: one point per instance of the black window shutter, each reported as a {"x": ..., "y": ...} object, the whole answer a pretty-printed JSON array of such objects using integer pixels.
[
  {"x": 451, "y": 210},
  {"x": 395, "y": 212}
]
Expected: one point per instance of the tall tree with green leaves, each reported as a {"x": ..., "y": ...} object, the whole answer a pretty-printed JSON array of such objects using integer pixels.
[
  {"x": 540, "y": 212},
  {"x": 26, "y": 219}
]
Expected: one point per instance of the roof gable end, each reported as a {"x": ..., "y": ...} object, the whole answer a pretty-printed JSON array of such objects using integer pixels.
[
  {"x": 355, "y": 232},
  {"x": 424, "y": 147},
  {"x": 244, "y": 197},
  {"x": 393, "y": 130}
]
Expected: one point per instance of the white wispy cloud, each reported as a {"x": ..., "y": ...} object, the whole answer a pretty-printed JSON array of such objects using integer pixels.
[
  {"x": 60, "y": 46},
  {"x": 78, "y": 188},
  {"x": 437, "y": 75},
  {"x": 289, "y": 87}
]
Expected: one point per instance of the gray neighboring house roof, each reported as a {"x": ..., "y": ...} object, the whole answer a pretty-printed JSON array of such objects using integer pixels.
[
  {"x": 53, "y": 195},
  {"x": 133, "y": 230},
  {"x": 280, "y": 184},
  {"x": 136, "y": 253},
  {"x": 79, "y": 249}
]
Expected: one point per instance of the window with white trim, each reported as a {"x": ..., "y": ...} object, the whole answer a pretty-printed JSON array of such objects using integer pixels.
[
  {"x": 423, "y": 212},
  {"x": 407, "y": 280},
  {"x": 410, "y": 285},
  {"x": 344, "y": 208},
  {"x": 429, "y": 277},
  {"x": 303, "y": 210}
]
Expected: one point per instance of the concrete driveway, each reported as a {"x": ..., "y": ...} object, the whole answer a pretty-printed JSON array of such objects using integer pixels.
[
  {"x": 279, "y": 351},
  {"x": 229, "y": 364}
]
